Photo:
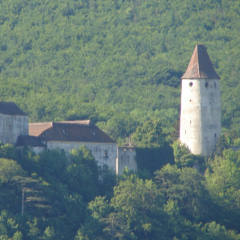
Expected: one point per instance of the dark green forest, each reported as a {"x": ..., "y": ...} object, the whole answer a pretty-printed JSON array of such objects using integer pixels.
[
  {"x": 51, "y": 196},
  {"x": 118, "y": 63}
]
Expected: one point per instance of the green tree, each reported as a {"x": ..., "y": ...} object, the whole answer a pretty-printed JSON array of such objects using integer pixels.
[
  {"x": 8, "y": 151},
  {"x": 49, "y": 233},
  {"x": 82, "y": 173},
  {"x": 213, "y": 231},
  {"x": 150, "y": 134},
  {"x": 184, "y": 158},
  {"x": 9, "y": 169},
  {"x": 134, "y": 212},
  {"x": 222, "y": 182},
  {"x": 186, "y": 188},
  {"x": 9, "y": 228},
  {"x": 52, "y": 164}
]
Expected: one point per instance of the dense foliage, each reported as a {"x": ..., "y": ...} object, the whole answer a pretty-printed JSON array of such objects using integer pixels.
[
  {"x": 117, "y": 62},
  {"x": 45, "y": 196},
  {"x": 51, "y": 196}
]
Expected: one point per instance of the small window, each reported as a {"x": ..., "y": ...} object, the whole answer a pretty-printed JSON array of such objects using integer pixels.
[
  {"x": 206, "y": 84},
  {"x": 190, "y": 100},
  {"x": 190, "y": 84},
  {"x": 215, "y": 85},
  {"x": 105, "y": 154}
]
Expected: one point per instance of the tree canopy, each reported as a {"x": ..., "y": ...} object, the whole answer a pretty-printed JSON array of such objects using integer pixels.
[{"x": 117, "y": 62}]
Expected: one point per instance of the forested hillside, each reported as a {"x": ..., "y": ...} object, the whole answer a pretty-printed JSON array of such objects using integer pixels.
[
  {"x": 117, "y": 62},
  {"x": 50, "y": 196}
]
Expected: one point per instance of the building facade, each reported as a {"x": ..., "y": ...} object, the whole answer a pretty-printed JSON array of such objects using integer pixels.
[
  {"x": 200, "y": 119},
  {"x": 69, "y": 135},
  {"x": 13, "y": 122},
  {"x": 126, "y": 158}
]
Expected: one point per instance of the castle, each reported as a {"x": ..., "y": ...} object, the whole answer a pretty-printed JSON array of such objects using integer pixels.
[
  {"x": 65, "y": 135},
  {"x": 200, "y": 122}
]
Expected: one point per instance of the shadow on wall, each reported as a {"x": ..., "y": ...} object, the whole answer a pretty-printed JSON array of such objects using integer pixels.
[{"x": 151, "y": 159}]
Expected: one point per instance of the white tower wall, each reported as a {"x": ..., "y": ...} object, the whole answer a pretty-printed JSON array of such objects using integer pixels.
[{"x": 200, "y": 121}]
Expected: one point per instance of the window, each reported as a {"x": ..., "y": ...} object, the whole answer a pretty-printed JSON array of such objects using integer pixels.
[
  {"x": 206, "y": 84},
  {"x": 105, "y": 154},
  {"x": 190, "y": 84}
]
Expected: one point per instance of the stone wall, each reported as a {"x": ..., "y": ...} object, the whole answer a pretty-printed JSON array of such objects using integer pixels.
[
  {"x": 12, "y": 126},
  {"x": 200, "y": 121},
  {"x": 126, "y": 159},
  {"x": 104, "y": 153},
  {"x": 38, "y": 149}
]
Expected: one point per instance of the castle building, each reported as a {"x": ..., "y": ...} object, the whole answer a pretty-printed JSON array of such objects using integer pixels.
[
  {"x": 13, "y": 122},
  {"x": 126, "y": 157},
  {"x": 200, "y": 120},
  {"x": 69, "y": 135}
]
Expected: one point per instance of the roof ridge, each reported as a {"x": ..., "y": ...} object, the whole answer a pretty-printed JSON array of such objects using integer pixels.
[
  {"x": 39, "y": 123},
  {"x": 86, "y": 122},
  {"x": 69, "y": 132}
]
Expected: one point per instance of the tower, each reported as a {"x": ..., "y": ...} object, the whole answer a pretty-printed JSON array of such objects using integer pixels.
[{"x": 200, "y": 120}]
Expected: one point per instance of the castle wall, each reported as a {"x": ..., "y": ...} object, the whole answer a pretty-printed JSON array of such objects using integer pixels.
[
  {"x": 200, "y": 121},
  {"x": 104, "y": 153},
  {"x": 38, "y": 149},
  {"x": 126, "y": 159},
  {"x": 12, "y": 126}
]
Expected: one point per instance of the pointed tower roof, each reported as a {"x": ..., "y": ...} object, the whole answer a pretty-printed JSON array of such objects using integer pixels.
[{"x": 200, "y": 65}]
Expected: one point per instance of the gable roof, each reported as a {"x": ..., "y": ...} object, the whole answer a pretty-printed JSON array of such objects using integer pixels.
[
  {"x": 70, "y": 131},
  {"x": 200, "y": 65},
  {"x": 36, "y": 129},
  {"x": 10, "y": 108}
]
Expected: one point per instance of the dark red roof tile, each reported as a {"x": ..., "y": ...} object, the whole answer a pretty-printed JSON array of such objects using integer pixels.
[
  {"x": 72, "y": 131},
  {"x": 36, "y": 129},
  {"x": 200, "y": 65}
]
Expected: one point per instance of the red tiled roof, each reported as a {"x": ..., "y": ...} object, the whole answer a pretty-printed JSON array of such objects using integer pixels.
[
  {"x": 200, "y": 65},
  {"x": 36, "y": 129},
  {"x": 11, "y": 108},
  {"x": 72, "y": 131}
]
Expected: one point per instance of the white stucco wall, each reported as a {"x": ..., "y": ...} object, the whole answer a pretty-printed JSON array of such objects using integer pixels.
[
  {"x": 200, "y": 121},
  {"x": 38, "y": 149},
  {"x": 126, "y": 159},
  {"x": 104, "y": 153},
  {"x": 12, "y": 126}
]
